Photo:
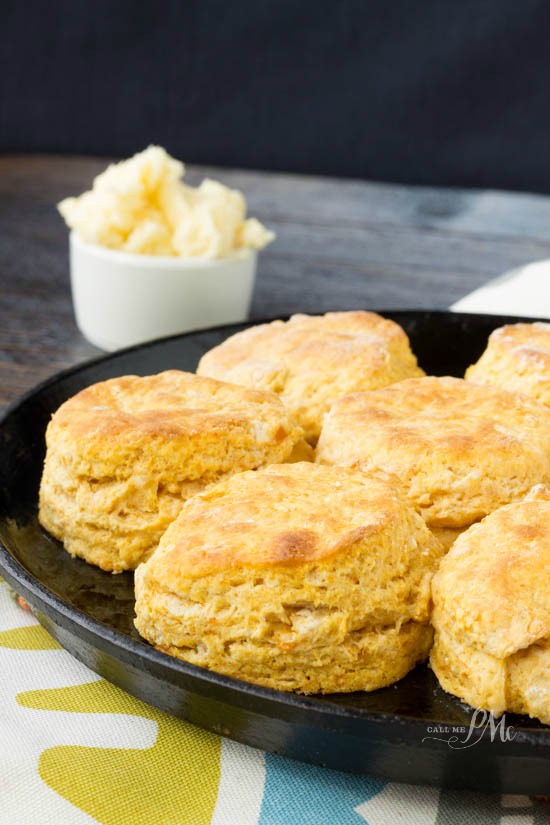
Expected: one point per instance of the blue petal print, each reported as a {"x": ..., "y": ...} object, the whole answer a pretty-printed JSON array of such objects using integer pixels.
[{"x": 300, "y": 794}]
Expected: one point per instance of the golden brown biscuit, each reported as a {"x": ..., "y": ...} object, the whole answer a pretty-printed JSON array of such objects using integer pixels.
[
  {"x": 311, "y": 360},
  {"x": 517, "y": 358},
  {"x": 124, "y": 454},
  {"x": 492, "y": 612},
  {"x": 297, "y": 577},
  {"x": 459, "y": 450}
]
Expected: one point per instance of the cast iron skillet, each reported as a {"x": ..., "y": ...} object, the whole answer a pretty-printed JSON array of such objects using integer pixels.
[{"x": 403, "y": 733}]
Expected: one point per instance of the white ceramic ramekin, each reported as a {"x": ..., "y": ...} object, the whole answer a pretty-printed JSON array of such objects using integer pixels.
[{"x": 122, "y": 299}]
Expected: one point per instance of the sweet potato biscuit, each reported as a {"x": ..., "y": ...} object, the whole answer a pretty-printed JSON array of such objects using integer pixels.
[
  {"x": 297, "y": 577},
  {"x": 517, "y": 358},
  {"x": 492, "y": 612},
  {"x": 311, "y": 360},
  {"x": 123, "y": 455},
  {"x": 459, "y": 450}
]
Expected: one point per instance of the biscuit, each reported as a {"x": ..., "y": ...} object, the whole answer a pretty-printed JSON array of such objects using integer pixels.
[
  {"x": 492, "y": 612},
  {"x": 517, "y": 358},
  {"x": 458, "y": 450},
  {"x": 311, "y": 360},
  {"x": 123, "y": 455},
  {"x": 296, "y": 577}
]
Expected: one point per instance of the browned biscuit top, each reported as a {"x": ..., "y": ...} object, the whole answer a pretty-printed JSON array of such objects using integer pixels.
[
  {"x": 517, "y": 357},
  {"x": 459, "y": 449},
  {"x": 170, "y": 404},
  {"x": 311, "y": 360},
  {"x": 282, "y": 515}
]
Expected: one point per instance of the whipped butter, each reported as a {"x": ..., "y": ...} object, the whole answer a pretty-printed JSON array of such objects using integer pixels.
[{"x": 141, "y": 205}]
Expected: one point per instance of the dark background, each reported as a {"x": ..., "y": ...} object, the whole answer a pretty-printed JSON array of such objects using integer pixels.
[{"x": 432, "y": 92}]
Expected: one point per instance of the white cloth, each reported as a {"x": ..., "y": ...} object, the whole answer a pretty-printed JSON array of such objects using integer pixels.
[{"x": 522, "y": 291}]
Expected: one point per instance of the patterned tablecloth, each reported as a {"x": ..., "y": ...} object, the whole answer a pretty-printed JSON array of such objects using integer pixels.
[{"x": 74, "y": 749}]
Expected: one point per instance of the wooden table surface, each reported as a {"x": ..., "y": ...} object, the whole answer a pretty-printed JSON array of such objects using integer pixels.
[{"x": 340, "y": 244}]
